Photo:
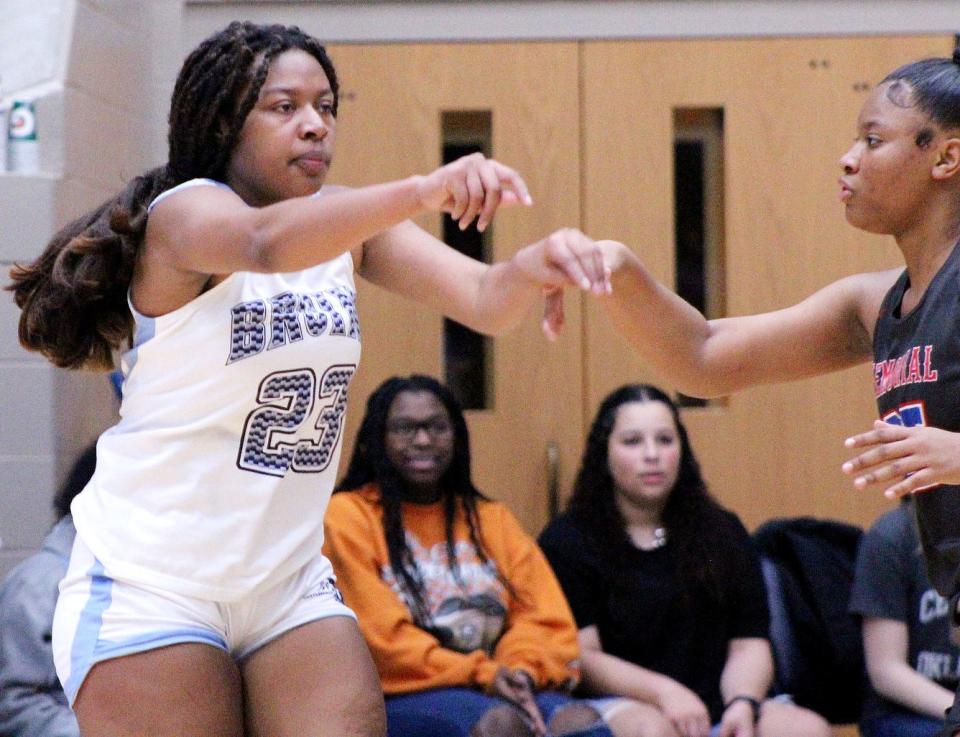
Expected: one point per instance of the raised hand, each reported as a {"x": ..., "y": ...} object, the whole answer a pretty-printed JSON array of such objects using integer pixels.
[
  {"x": 472, "y": 187},
  {"x": 907, "y": 459}
]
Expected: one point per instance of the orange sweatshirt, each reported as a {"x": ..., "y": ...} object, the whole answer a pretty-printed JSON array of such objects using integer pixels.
[{"x": 476, "y": 626}]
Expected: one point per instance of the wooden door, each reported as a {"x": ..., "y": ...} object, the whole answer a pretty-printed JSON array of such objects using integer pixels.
[
  {"x": 789, "y": 111},
  {"x": 389, "y": 127}
]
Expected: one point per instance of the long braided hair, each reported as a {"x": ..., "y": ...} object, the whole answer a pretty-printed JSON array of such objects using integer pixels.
[
  {"x": 73, "y": 297},
  {"x": 370, "y": 464},
  {"x": 696, "y": 524}
]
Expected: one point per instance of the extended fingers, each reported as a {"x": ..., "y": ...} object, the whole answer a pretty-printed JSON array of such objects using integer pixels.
[
  {"x": 881, "y": 464},
  {"x": 915, "y": 483},
  {"x": 458, "y": 195},
  {"x": 492, "y": 196},
  {"x": 882, "y": 432},
  {"x": 476, "y": 195},
  {"x": 578, "y": 258},
  {"x": 563, "y": 253},
  {"x": 477, "y": 186},
  {"x": 512, "y": 184},
  {"x": 601, "y": 268},
  {"x": 877, "y": 454}
]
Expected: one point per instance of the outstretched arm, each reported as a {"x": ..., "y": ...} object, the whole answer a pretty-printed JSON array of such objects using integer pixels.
[
  {"x": 205, "y": 231},
  {"x": 491, "y": 299},
  {"x": 829, "y": 330}
]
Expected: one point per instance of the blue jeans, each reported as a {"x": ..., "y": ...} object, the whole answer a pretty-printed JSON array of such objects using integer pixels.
[
  {"x": 901, "y": 725},
  {"x": 452, "y": 712}
]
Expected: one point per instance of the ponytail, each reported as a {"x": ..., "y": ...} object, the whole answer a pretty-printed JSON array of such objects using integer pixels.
[{"x": 74, "y": 296}]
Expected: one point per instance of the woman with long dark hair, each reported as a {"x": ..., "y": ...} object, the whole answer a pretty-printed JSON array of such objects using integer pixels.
[
  {"x": 197, "y": 600},
  {"x": 467, "y": 624},
  {"x": 664, "y": 584}
]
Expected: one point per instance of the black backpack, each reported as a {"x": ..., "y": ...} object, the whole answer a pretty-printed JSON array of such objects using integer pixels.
[{"x": 808, "y": 566}]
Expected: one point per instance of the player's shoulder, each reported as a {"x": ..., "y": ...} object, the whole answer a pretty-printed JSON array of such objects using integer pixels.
[
  {"x": 192, "y": 193},
  {"x": 859, "y": 298},
  {"x": 866, "y": 287}
]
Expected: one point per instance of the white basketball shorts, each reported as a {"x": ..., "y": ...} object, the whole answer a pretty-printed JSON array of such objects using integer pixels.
[{"x": 98, "y": 618}]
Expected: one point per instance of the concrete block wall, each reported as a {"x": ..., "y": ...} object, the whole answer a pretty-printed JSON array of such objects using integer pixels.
[{"x": 100, "y": 76}]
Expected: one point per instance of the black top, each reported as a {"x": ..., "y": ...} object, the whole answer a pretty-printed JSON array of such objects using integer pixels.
[
  {"x": 917, "y": 382},
  {"x": 638, "y": 603}
]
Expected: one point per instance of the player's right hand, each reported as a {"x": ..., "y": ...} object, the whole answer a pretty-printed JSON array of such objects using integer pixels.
[{"x": 472, "y": 187}]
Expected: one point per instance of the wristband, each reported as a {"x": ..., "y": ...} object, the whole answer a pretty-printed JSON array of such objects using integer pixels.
[{"x": 754, "y": 705}]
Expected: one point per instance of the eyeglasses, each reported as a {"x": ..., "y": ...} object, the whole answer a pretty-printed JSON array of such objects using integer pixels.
[{"x": 407, "y": 429}]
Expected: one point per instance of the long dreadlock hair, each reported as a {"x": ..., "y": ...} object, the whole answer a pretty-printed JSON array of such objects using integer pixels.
[
  {"x": 369, "y": 465},
  {"x": 74, "y": 296},
  {"x": 696, "y": 524}
]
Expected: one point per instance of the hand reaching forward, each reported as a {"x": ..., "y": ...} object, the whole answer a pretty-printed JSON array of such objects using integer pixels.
[
  {"x": 472, "y": 187},
  {"x": 516, "y": 686},
  {"x": 685, "y": 710},
  {"x": 907, "y": 459},
  {"x": 565, "y": 258}
]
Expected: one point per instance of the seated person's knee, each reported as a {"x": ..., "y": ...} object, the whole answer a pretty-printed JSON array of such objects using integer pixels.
[
  {"x": 640, "y": 720},
  {"x": 573, "y": 718},
  {"x": 500, "y": 721},
  {"x": 786, "y": 719}
]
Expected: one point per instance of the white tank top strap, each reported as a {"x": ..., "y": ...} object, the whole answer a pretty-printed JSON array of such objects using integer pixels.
[{"x": 201, "y": 182}]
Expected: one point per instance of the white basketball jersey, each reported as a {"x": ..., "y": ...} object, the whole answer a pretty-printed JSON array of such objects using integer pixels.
[{"x": 216, "y": 479}]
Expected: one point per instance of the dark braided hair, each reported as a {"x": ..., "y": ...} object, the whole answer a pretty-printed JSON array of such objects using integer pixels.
[
  {"x": 695, "y": 523},
  {"x": 369, "y": 465},
  {"x": 74, "y": 296},
  {"x": 219, "y": 85},
  {"x": 932, "y": 86}
]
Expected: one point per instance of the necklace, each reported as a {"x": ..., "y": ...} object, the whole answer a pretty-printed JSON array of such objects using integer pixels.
[
  {"x": 659, "y": 538},
  {"x": 658, "y": 541}
]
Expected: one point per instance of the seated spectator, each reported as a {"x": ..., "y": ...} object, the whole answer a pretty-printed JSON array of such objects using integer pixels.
[
  {"x": 665, "y": 586},
  {"x": 467, "y": 625},
  {"x": 911, "y": 662},
  {"x": 32, "y": 702}
]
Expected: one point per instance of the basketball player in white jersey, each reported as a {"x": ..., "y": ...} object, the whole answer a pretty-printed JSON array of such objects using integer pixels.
[{"x": 197, "y": 602}]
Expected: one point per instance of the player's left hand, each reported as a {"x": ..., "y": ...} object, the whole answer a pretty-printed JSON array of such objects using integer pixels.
[
  {"x": 737, "y": 721},
  {"x": 565, "y": 258},
  {"x": 906, "y": 459}
]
